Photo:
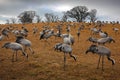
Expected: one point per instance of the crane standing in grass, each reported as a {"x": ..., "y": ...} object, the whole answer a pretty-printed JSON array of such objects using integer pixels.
[
  {"x": 101, "y": 51},
  {"x": 116, "y": 30},
  {"x": 5, "y": 32},
  {"x": 35, "y": 30},
  {"x": 68, "y": 39},
  {"x": 1, "y": 37},
  {"x": 78, "y": 33},
  {"x": 65, "y": 48},
  {"x": 15, "y": 47},
  {"x": 24, "y": 42}
]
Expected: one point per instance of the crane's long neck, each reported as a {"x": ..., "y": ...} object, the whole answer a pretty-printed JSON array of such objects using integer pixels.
[
  {"x": 113, "y": 61},
  {"x": 24, "y": 53}
]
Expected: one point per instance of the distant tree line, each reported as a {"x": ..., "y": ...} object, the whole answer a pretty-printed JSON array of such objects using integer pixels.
[{"x": 78, "y": 13}]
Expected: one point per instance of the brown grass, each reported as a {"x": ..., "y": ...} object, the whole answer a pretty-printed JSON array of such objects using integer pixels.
[{"x": 46, "y": 64}]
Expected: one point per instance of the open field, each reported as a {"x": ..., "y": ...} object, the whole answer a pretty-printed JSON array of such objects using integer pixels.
[{"x": 47, "y": 64}]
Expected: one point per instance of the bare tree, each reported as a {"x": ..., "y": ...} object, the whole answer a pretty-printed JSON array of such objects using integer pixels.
[
  {"x": 117, "y": 22},
  {"x": 38, "y": 18},
  {"x": 79, "y": 13},
  {"x": 92, "y": 15},
  {"x": 64, "y": 17},
  {"x": 13, "y": 20},
  {"x": 7, "y": 21},
  {"x": 50, "y": 17},
  {"x": 27, "y": 16},
  {"x": 56, "y": 18}
]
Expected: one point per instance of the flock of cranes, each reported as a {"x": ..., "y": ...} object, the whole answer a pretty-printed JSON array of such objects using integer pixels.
[{"x": 97, "y": 44}]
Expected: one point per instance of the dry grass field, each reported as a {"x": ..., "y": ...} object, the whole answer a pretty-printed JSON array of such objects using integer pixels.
[{"x": 47, "y": 64}]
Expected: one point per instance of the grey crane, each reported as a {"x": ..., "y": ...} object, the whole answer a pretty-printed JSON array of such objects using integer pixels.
[
  {"x": 46, "y": 35},
  {"x": 68, "y": 39},
  {"x": 16, "y": 32},
  {"x": 64, "y": 35},
  {"x": 101, "y": 51},
  {"x": 24, "y": 32},
  {"x": 105, "y": 40},
  {"x": 25, "y": 42},
  {"x": 78, "y": 33},
  {"x": 65, "y": 48},
  {"x": 92, "y": 39},
  {"x": 35, "y": 30},
  {"x": 103, "y": 34},
  {"x": 115, "y": 30},
  {"x": 58, "y": 46},
  {"x": 15, "y": 47},
  {"x": 68, "y": 28},
  {"x": 1, "y": 37},
  {"x": 5, "y": 32},
  {"x": 94, "y": 30}
]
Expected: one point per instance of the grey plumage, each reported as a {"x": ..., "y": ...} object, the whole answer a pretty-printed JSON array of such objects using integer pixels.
[
  {"x": 101, "y": 51},
  {"x": 103, "y": 34},
  {"x": 68, "y": 28},
  {"x": 15, "y": 47},
  {"x": 1, "y": 37},
  {"x": 46, "y": 34},
  {"x": 92, "y": 39},
  {"x": 105, "y": 40},
  {"x": 5, "y": 32},
  {"x": 64, "y": 35},
  {"x": 68, "y": 39},
  {"x": 58, "y": 47},
  {"x": 25, "y": 42},
  {"x": 94, "y": 30},
  {"x": 35, "y": 30},
  {"x": 16, "y": 32},
  {"x": 24, "y": 32},
  {"x": 78, "y": 33},
  {"x": 115, "y": 30}
]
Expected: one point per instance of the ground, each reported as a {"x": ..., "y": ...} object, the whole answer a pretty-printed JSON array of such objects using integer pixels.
[{"x": 47, "y": 64}]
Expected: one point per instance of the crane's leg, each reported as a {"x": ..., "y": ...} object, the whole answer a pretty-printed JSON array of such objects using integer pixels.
[
  {"x": 102, "y": 62},
  {"x": 24, "y": 53},
  {"x": 31, "y": 50},
  {"x": 98, "y": 62},
  {"x": 16, "y": 55},
  {"x": 25, "y": 48},
  {"x": 64, "y": 60},
  {"x": 78, "y": 38},
  {"x": 13, "y": 56},
  {"x": 7, "y": 36},
  {"x": 47, "y": 41}
]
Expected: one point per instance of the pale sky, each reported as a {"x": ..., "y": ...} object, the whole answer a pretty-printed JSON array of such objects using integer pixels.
[{"x": 106, "y": 9}]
